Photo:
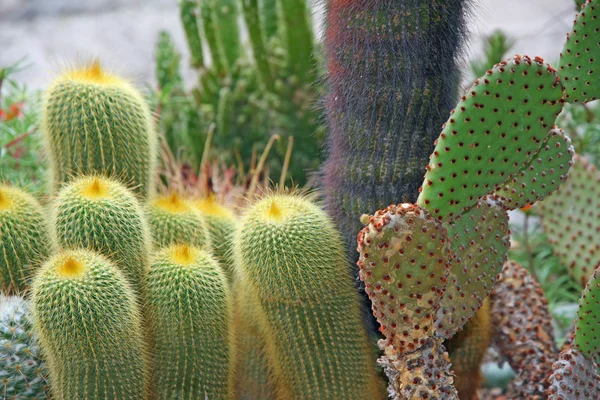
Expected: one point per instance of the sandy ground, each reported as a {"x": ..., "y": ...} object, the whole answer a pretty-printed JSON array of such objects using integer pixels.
[{"x": 123, "y": 33}]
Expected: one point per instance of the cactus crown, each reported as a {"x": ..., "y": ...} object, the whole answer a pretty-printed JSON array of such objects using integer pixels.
[
  {"x": 183, "y": 254},
  {"x": 91, "y": 72},
  {"x": 94, "y": 189},
  {"x": 5, "y": 201},
  {"x": 70, "y": 267},
  {"x": 209, "y": 206},
  {"x": 172, "y": 203}
]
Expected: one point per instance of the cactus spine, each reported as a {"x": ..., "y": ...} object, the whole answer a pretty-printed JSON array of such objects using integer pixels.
[
  {"x": 191, "y": 311},
  {"x": 102, "y": 215},
  {"x": 173, "y": 220},
  {"x": 88, "y": 321},
  {"x": 23, "y": 238},
  {"x": 292, "y": 260},
  {"x": 97, "y": 123}
]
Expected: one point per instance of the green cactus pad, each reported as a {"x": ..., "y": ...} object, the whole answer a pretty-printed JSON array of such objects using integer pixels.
[
  {"x": 479, "y": 242},
  {"x": 587, "y": 330},
  {"x": 522, "y": 330},
  {"x": 221, "y": 224},
  {"x": 24, "y": 242},
  {"x": 88, "y": 321},
  {"x": 492, "y": 134},
  {"x": 404, "y": 264},
  {"x": 578, "y": 66},
  {"x": 97, "y": 123},
  {"x": 291, "y": 257},
  {"x": 574, "y": 377},
  {"x": 173, "y": 220},
  {"x": 544, "y": 173},
  {"x": 190, "y": 310},
  {"x": 422, "y": 374},
  {"x": 571, "y": 220},
  {"x": 102, "y": 215},
  {"x": 23, "y": 372}
]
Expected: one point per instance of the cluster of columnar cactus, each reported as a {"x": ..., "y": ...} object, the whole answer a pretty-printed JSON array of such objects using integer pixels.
[{"x": 248, "y": 96}]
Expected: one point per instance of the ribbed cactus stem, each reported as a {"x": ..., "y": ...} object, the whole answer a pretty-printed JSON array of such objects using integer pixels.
[
  {"x": 189, "y": 18},
  {"x": 393, "y": 74},
  {"x": 298, "y": 38},
  {"x": 257, "y": 41},
  {"x": 207, "y": 12}
]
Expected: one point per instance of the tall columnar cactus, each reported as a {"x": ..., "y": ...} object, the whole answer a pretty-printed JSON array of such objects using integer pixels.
[
  {"x": 95, "y": 122},
  {"x": 393, "y": 77},
  {"x": 221, "y": 225},
  {"x": 24, "y": 242},
  {"x": 102, "y": 215},
  {"x": 291, "y": 258},
  {"x": 87, "y": 318},
  {"x": 173, "y": 220},
  {"x": 22, "y": 370},
  {"x": 190, "y": 308}
]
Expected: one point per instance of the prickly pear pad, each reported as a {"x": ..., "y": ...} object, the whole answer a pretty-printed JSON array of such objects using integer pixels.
[
  {"x": 571, "y": 220},
  {"x": 573, "y": 377},
  {"x": 587, "y": 330},
  {"x": 502, "y": 120},
  {"x": 579, "y": 59},
  {"x": 546, "y": 171},
  {"x": 479, "y": 241},
  {"x": 404, "y": 264}
]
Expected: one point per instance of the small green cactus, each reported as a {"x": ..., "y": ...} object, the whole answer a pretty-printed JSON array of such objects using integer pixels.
[
  {"x": 580, "y": 56},
  {"x": 574, "y": 229},
  {"x": 221, "y": 225},
  {"x": 97, "y": 123},
  {"x": 24, "y": 242},
  {"x": 87, "y": 317},
  {"x": 23, "y": 372},
  {"x": 493, "y": 132},
  {"x": 102, "y": 215},
  {"x": 173, "y": 220},
  {"x": 587, "y": 326},
  {"x": 188, "y": 10},
  {"x": 190, "y": 310},
  {"x": 292, "y": 260}
]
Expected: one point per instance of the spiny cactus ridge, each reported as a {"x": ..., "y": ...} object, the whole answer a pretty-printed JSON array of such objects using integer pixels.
[
  {"x": 493, "y": 132},
  {"x": 23, "y": 373},
  {"x": 190, "y": 311},
  {"x": 544, "y": 173},
  {"x": 580, "y": 55},
  {"x": 24, "y": 243},
  {"x": 89, "y": 324},
  {"x": 571, "y": 220}
]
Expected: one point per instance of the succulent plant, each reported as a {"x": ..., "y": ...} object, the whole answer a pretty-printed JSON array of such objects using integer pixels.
[
  {"x": 290, "y": 257},
  {"x": 190, "y": 310},
  {"x": 24, "y": 242},
  {"x": 87, "y": 317},
  {"x": 114, "y": 134},
  {"x": 23, "y": 373}
]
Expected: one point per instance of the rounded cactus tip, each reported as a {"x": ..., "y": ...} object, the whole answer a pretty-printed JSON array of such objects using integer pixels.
[
  {"x": 184, "y": 254},
  {"x": 5, "y": 201},
  {"x": 172, "y": 202},
  {"x": 210, "y": 206},
  {"x": 70, "y": 267},
  {"x": 90, "y": 71},
  {"x": 94, "y": 188}
]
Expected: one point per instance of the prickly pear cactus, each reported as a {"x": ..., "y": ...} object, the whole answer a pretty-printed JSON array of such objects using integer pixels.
[
  {"x": 574, "y": 377},
  {"x": 587, "y": 326},
  {"x": 544, "y": 173},
  {"x": 523, "y": 331},
  {"x": 479, "y": 241},
  {"x": 579, "y": 58},
  {"x": 22, "y": 370},
  {"x": 501, "y": 122},
  {"x": 571, "y": 220}
]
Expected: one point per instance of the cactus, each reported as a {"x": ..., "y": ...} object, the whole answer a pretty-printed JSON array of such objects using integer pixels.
[
  {"x": 24, "y": 243},
  {"x": 22, "y": 370},
  {"x": 492, "y": 134},
  {"x": 86, "y": 315},
  {"x": 102, "y": 215},
  {"x": 574, "y": 231},
  {"x": 173, "y": 220},
  {"x": 580, "y": 55},
  {"x": 574, "y": 377},
  {"x": 467, "y": 349},
  {"x": 97, "y": 123},
  {"x": 587, "y": 326},
  {"x": 188, "y": 13},
  {"x": 546, "y": 171},
  {"x": 190, "y": 312},
  {"x": 393, "y": 77},
  {"x": 167, "y": 63},
  {"x": 291, "y": 258},
  {"x": 221, "y": 225},
  {"x": 523, "y": 331}
]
